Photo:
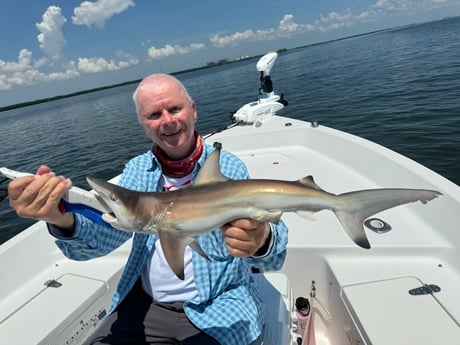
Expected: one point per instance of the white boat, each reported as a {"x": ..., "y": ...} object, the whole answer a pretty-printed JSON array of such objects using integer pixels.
[{"x": 404, "y": 290}]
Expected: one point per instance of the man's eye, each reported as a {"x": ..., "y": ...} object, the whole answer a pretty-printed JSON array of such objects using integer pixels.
[
  {"x": 175, "y": 109},
  {"x": 153, "y": 116}
]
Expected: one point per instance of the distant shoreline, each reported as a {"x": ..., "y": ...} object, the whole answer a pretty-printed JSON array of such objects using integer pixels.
[
  {"x": 209, "y": 65},
  {"x": 54, "y": 98}
]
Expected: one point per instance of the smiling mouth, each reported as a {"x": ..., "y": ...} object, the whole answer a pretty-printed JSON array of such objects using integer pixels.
[{"x": 171, "y": 134}]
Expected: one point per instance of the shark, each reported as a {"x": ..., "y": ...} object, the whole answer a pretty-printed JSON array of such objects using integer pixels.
[{"x": 213, "y": 200}]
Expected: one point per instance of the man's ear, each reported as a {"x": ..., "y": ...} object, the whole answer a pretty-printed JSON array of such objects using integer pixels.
[{"x": 195, "y": 116}]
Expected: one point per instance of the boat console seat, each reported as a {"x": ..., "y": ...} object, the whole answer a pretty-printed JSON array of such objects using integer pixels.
[{"x": 276, "y": 293}]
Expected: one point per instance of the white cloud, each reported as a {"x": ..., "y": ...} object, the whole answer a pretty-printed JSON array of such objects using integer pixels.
[
  {"x": 392, "y": 5},
  {"x": 26, "y": 71},
  {"x": 333, "y": 21},
  {"x": 51, "y": 39},
  {"x": 54, "y": 65},
  {"x": 17, "y": 73},
  {"x": 99, "y": 64},
  {"x": 98, "y": 12},
  {"x": 64, "y": 75},
  {"x": 286, "y": 27},
  {"x": 168, "y": 50},
  {"x": 23, "y": 63}
]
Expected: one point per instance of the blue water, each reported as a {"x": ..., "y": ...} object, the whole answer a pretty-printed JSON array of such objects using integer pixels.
[{"x": 399, "y": 88}]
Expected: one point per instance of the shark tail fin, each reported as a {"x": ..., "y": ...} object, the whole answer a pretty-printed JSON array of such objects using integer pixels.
[
  {"x": 353, "y": 226},
  {"x": 359, "y": 205}
]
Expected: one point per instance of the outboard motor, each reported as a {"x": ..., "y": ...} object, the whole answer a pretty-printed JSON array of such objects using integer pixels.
[{"x": 267, "y": 103}]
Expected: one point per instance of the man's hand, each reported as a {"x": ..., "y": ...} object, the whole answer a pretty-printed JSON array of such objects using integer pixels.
[
  {"x": 38, "y": 197},
  {"x": 244, "y": 237}
]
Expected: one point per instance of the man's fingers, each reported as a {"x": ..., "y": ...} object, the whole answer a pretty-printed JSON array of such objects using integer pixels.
[
  {"x": 17, "y": 186},
  {"x": 38, "y": 198},
  {"x": 243, "y": 237},
  {"x": 43, "y": 169},
  {"x": 50, "y": 194},
  {"x": 30, "y": 194},
  {"x": 246, "y": 224},
  {"x": 238, "y": 241}
]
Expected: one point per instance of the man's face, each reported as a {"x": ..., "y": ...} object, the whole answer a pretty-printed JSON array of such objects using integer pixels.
[{"x": 168, "y": 118}]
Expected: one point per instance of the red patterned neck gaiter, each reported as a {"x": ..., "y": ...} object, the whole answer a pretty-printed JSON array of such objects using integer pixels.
[{"x": 182, "y": 167}]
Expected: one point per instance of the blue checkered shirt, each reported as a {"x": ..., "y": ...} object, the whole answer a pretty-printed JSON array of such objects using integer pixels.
[{"x": 228, "y": 306}]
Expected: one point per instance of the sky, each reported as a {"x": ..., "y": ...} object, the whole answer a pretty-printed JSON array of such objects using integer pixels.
[{"x": 51, "y": 48}]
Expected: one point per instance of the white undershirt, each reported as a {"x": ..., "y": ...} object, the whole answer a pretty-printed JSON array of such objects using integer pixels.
[{"x": 157, "y": 278}]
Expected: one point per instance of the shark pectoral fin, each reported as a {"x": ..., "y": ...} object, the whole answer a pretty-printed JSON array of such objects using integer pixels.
[
  {"x": 196, "y": 247},
  {"x": 173, "y": 249},
  {"x": 306, "y": 215},
  {"x": 353, "y": 226},
  {"x": 266, "y": 216}
]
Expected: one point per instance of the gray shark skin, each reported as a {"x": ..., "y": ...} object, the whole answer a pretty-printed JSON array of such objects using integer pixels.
[{"x": 213, "y": 200}]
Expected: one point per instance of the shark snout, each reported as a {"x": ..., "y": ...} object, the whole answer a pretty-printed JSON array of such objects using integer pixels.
[
  {"x": 102, "y": 192},
  {"x": 95, "y": 183}
]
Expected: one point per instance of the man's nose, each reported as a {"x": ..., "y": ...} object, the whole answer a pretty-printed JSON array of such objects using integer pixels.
[{"x": 168, "y": 118}]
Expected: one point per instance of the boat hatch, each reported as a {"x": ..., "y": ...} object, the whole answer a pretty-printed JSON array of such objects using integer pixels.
[
  {"x": 58, "y": 305},
  {"x": 389, "y": 312}
]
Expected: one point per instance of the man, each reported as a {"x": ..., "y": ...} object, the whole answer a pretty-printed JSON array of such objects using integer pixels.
[{"x": 218, "y": 301}]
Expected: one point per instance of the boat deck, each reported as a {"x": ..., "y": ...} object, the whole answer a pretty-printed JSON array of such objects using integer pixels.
[
  {"x": 350, "y": 281},
  {"x": 362, "y": 296}
]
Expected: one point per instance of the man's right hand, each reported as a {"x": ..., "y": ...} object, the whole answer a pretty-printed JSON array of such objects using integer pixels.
[{"x": 38, "y": 196}]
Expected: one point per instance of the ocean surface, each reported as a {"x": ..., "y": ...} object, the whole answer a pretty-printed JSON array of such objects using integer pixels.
[{"x": 399, "y": 88}]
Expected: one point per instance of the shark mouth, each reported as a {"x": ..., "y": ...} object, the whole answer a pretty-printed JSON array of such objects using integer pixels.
[
  {"x": 108, "y": 214},
  {"x": 109, "y": 218}
]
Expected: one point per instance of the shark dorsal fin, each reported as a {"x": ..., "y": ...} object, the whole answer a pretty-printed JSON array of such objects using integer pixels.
[
  {"x": 310, "y": 182},
  {"x": 210, "y": 171}
]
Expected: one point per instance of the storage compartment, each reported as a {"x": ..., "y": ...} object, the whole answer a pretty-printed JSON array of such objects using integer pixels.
[
  {"x": 399, "y": 311},
  {"x": 58, "y": 305}
]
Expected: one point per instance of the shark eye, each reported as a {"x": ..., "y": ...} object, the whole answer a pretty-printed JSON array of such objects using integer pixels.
[{"x": 113, "y": 197}]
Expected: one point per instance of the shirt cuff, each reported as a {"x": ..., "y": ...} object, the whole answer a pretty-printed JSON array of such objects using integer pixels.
[
  {"x": 59, "y": 233},
  {"x": 267, "y": 246}
]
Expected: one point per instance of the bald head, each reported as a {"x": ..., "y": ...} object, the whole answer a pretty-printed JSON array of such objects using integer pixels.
[{"x": 157, "y": 82}]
